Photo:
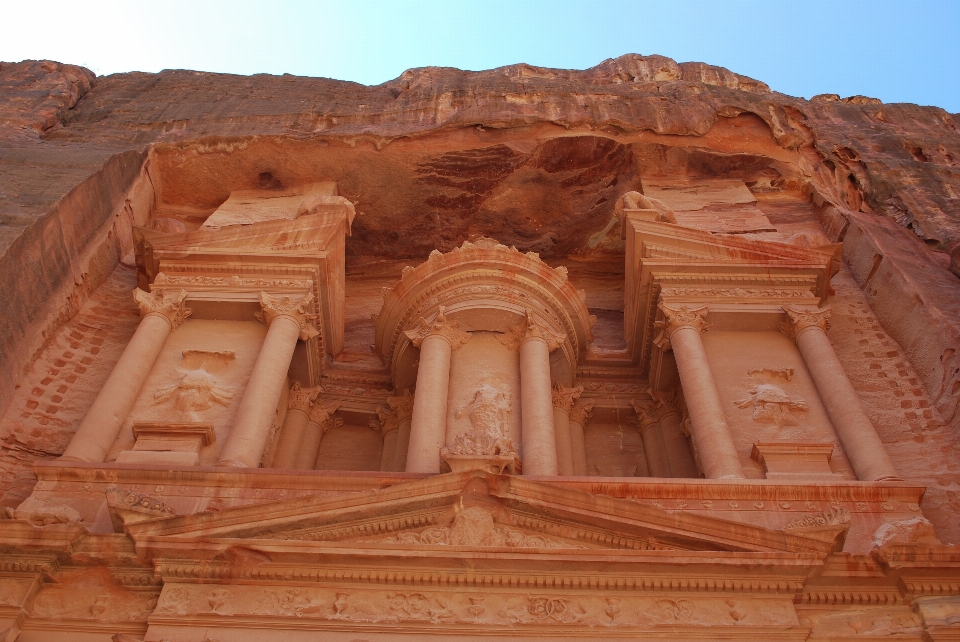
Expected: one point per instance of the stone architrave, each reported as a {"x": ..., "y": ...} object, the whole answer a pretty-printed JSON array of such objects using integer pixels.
[
  {"x": 681, "y": 330},
  {"x": 321, "y": 422},
  {"x": 867, "y": 454},
  {"x": 437, "y": 340},
  {"x": 563, "y": 400},
  {"x": 535, "y": 341},
  {"x": 162, "y": 312},
  {"x": 402, "y": 407},
  {"x": 579, "y": 416},
  {"x": 288, "y": 319},
  {"x": 299, "y": 401}
]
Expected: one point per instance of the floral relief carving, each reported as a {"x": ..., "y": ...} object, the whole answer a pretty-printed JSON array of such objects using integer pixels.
[
  {"x": 232, "y": 281},
  {"x": 440, "y": 326},
  {"x": 293, "y": 307},
  {"x": 676, "y": 318},
  {"x": 581, "y": 411},
  {"x": 799, "y": 320},
  {"x": 760, "y": 293},
  {"x": 300, "y": 398},
  {"x": 163, "y": 303},
  {"x": 836, "y": 516},
  {"x": 564, "y": 398},
  {"x": 90, "y": 596}
]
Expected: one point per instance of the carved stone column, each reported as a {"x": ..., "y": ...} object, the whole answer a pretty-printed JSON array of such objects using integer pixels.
[
  {"x": 681, "y": 331},
  {"x": 867, "y": 454},
  {"x": 321, "y": 421},
  {"x": 428, "y": 425},
  {"x": 563, "y": 400},
  {"x": 162, "y": 313},
  {"x": 288, "y": 320},
  {"x": 579, "y": 415},
  {"x": 653, "y": 447},
  {"x": 403, "y": 410},
  {"x": 388, "y": 429},
  {"x": 538, "y": 434},
  {"x": 294, "y": 425}
]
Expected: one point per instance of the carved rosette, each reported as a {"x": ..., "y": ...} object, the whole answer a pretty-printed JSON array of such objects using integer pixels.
[
  {"x": 677, "y": 318},
  {"x": 799, "y": 320},
  {"x": 296, "y": 308},
  {"x": 580, "y": 412},
  {"x": 564, "y": 398},
  {"x": 301, "y": 398},
  {"x": 441, "y": 327},
  {"x": 163, "y": 303},
  {"x": 322, "y": 414},
  {"x": 532, "y": 327}
]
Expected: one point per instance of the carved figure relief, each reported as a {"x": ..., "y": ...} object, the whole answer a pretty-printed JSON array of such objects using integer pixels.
[
  {"x": 771, "y": 404},
  {"x": 198, "y": 387},
  {"x": 487, "y": 412}
]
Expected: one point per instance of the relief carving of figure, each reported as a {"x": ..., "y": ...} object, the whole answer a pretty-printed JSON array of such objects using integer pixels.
[
  {"x": 487, "y": 412},
  {"x": 198, "y": 389},
  {"x": 771, "y": 405}
]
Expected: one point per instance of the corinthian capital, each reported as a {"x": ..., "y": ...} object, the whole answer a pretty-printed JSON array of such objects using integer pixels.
[
  {"x": 300, "y": 398},
  {"x": 564, "y": 398},
  {"x": 580, "y": 413},
  {"x": 402, "y": 406},
  {"x": 532, "y": 327},
  {"x": 388, "y": 420},
  {"x": 163, "y": 303},
  {"x": 322, "y": 413},
  {"x": 441, "y": 327},
  {"x": 293, "y": 307},
  {"x": 799, "y": 320},
  {"x": 652, "y": 412}
]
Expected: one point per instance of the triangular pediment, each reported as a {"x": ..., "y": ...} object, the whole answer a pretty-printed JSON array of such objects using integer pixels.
[{"x": 474, "y": 510}]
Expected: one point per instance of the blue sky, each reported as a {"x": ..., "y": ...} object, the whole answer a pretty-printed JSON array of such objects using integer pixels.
[{"x": 892, "y": 50}]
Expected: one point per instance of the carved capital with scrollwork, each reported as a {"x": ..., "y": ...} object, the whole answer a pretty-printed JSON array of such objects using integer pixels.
[
  {"x": 580, "y": 412},
  {"x": 530, "y": 329},
  {"x": 301, "y": 398},
  {"x": 564, "y": 398},
  {"x": 322, "y": 414},
  {"x": 293, "y": 307},
  {"x": 402, "y": 406},
  {"x": 652, "y": 412},
  {"x": 163, "y": 303},
  {"x": 799, "y": 320},
  {"x": 677, "y": 318},
  {"x": 449, "y": 330},
  {"x": 388, "y": 420}
]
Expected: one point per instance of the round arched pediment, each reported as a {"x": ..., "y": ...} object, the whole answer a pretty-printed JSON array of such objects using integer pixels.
[{"x": 482, "y": 286}]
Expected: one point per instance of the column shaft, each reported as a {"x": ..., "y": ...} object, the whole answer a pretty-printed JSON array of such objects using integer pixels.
[
  {"x": 538, "y": 436},
  {"x": 654, "y": 449},
  {"x": 291, "y": 438},
  {"x": 428, "y": 425},
  {"x": 251, "y": 426},
  {"x": 579, "y": 448},
  {"x": 561, "y": 425},
  {"x": 710, "y": 431},
  {"x": 677, "y": 447},
  {"x": 309, "y": 446},
  {"x": 102, "y": 423},
  {"x": 402, "y": 445},
  {"x": 863, "y": 447},
  {"x": 389, "y": 452}
]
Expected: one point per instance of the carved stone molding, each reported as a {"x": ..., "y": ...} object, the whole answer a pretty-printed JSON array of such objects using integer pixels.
[
  {"x": 737, "y": 293},
  {"x": 163, "y": 303},
  {"x": 294, "y": 307},
  {"x": 652, "y": 412},
  {"x": 388, "y": 420},
  {"x": 564, "y": 398},
  {"x": 440, "y": 326},
  {"x": 532, "y": 327},
  {"x": 231, "y": 281},
  {"x": 678, "y": 317},
  {"x": 301, "y": 398},
  {"x": 402, "y": 406},
  {"x": 580, "y": 412},
  {"x": 799, "y": 320}
]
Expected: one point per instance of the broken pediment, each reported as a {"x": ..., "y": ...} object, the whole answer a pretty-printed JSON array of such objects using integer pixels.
[{"x": 475, "y": 509}]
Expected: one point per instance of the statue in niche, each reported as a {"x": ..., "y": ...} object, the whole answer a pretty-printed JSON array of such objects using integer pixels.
[
  {"x": 487, "y": 412},
  {"x": 198, "y": 388}
]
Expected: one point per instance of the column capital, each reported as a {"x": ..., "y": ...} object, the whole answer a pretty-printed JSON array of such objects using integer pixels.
[
  {"x": 564, "y": 398},
  {"x": 302, "y": 398},
  {"x": 653, "y": 411},
  {"x": 799, "y": 320},
  {"x": 677, "y": 318},
  {"x": 322, "y": 414},
  {"x": 402, "y": 406},
  {"x": 440, "y": 327},
  {"x": 531, "y": 328},
  {"x": 163, "y": 303},
  {"x": 388, "y": 420},
  {"x": 580, "y": 412},
  {"x": 293, "y": 307}
]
